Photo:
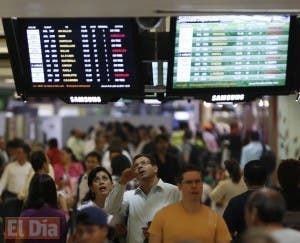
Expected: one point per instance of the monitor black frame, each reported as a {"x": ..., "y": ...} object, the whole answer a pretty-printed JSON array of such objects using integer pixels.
[
  {"x": 19, "y": 57},
  {"x": 206, "y": 93}
]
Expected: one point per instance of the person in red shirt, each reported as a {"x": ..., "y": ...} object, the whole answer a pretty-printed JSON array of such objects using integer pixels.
[{"x": 53, "y": 153}]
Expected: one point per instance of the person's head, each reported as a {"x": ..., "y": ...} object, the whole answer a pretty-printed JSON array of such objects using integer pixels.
[
  {"x": 100, "y": 141},
  {"x": 143, "y": 133},
  {"x": 42, "y": 190},
  {"x": 22, "y": 153},
  {"x": 12, "y": 145},
  {"x": 92, "y": 160},
  {"x": 190, "y": 183},
  {"x": 92, "y": 225},
  {"x": 100, "y": 183},
  {"x": 76, "y": 132},
  {"x": 161, "y": 143},
  {"x": 254, "y": 136},
  {"x": 264, "y": 207},
  {"x": 255, "y": 173},
  {"x": 289, "y": 174},
  {"x": 52, "y": 143},
  {"x": 145, "y": 166},
  {"x": 67, "y": 155},
  {"x": 234, "y": 171},
  {"x": 119, "y": 163},
  {"x": 39, "y": 162},
  {"x": 114, "y": 151}
]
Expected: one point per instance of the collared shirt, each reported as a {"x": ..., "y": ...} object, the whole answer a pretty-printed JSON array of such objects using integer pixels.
[
  {"x": 251, "y": 151},
  {"x": 139, "y": 207},
  {"x": 14, "y": 177}
]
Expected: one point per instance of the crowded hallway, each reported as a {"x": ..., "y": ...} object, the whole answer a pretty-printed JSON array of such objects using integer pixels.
[{"x": 135, "y": 168}]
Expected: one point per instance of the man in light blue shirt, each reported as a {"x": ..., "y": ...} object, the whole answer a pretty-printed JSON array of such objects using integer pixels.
[
  {"x": 141, "y": 204},
  {"x": 251, "y": 151}
]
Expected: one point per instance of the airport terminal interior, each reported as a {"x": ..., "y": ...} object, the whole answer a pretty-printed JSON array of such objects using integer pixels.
[{"x": 113, "y": 108}]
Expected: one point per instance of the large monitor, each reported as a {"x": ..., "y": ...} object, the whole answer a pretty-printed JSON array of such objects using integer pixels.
[
  {"x": 230, "y": 54},
  {"x": 74, "y": 56}
]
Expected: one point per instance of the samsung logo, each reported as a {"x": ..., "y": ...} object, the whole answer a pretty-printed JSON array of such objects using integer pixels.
[
  {"x": 85, "y": 99},
  {"x": 228, "y": 97}
]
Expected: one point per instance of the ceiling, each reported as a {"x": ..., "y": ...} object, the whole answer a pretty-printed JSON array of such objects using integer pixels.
[
  {"x": 130, "y": 8},
  {"x": 97, "y": 8}
]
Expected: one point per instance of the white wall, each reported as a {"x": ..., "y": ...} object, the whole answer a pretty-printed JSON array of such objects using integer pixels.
[
  {"x": 288, "y": 127},
  {"x": 51, "y": 127}
]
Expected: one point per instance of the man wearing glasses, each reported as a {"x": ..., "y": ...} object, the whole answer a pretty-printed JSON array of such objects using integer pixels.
[
  {"x": 188, "y": 220},
  {"x": 140, "y": 205}
]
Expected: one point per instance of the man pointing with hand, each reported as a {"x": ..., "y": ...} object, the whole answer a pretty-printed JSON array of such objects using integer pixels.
[{"x": 140, "y": 205}]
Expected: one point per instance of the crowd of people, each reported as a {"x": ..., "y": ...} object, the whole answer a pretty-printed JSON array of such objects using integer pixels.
[{"x": 121, "y": 183}]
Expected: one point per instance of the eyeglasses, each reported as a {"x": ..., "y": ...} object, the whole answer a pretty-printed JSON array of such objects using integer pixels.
[
  {"x": 192, "y": 182},
  {"x": 142, "y": 163}
]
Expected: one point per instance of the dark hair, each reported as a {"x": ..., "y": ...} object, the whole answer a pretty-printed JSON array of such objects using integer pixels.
[
  {"x": 187, "y": 168},
  {"x": 233, "y": 168},
  {"x": 289, "y": 174},
  {"x": 15, "y": 143},
  {"x": 52, "y": 143},
  {"x": 119, "y": 164},
  {"x": 37, "y": 160},
  {"x": 148, "y": 156},
  {"x": 270, "y": 205},
  {"x": 70, "y": 151},
  {"x": 92, "y": 175},
  {"x": 161, "y": 137},
  {"x": 254, "y": 135},
  {"x": 255, "y": 173},
  {"x": 26, "y": 148},
  {"x": 42, "y": 190},
  {"x": 94, "y": 155}
]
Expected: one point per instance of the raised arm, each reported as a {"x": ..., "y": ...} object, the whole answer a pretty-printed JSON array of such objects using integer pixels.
[{"x": 115, "y": 202}]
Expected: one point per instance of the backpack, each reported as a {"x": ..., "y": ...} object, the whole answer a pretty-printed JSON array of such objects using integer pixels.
[{"x": 268, "y": 158}]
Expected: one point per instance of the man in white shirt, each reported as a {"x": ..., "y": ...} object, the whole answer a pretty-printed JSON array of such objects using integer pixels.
[
  {"x": 141, "y": 204},
  {"x": 251, "y": 151},
  {"x": 75, "y": 142},
  {"x": 13, "y": 180}
]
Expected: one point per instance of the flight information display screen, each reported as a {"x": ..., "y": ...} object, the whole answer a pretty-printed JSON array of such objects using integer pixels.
[
  {"x": 230, "y": 51},
  {"x": 95, "y": 54}
]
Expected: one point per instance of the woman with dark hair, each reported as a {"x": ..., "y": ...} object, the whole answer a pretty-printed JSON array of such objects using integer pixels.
[
  {"x": 230, "y": 187},
  {"x": 42, "y": 202},
  {"x": 100, "y": 184},
  {"x": 67, "y": 174}
]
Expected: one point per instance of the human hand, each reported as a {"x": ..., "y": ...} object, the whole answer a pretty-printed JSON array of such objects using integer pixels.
[{"x": 127, "y": 175}]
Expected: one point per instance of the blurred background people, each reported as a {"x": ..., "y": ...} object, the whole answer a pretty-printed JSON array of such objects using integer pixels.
[
  {"x": 13, "y": 180},
  {"x": 229, "y": 187},
  {"x": 67, "y": 174},
  {"x": 92, "y": 160},
  {"x": 53, "y": 152}
]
